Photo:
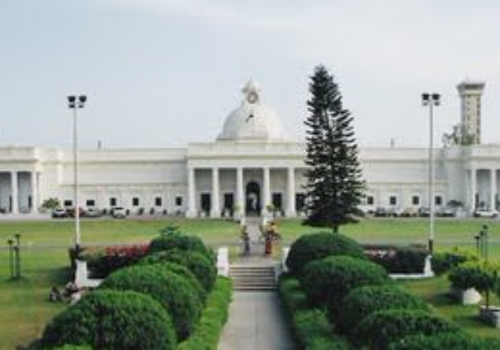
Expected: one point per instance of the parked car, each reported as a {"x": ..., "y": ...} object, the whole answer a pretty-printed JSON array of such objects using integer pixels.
[
  {"x": 93, "y": 213},
  {"x": 59, "y": 213},
  {"x": 71, "y": 212},
  {"x": 395, "y": 212},
  {"x": 119, "y": 212},
  {"x": 424, "y": 212},
  {"x": 380, "y": 212},
  {"x": 446, "y": 212},
  {"x": 410, "y": 212},
  {"x": 485, "y": 213}
]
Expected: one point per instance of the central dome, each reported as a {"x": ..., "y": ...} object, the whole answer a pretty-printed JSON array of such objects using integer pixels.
[{"x": 252, "y": 120}]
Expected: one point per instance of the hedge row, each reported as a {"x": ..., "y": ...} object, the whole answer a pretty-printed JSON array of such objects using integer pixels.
[
  {"x": 455, "y": 341},
  {"x": 150, "y": 305},
  {"x": 172, "y": 291},
  {"x": 107, "y": 319},
  {"x": 362, "y": 302},
  {"x": 310, "y": 325},
  {"x": 208, "y": 330}
]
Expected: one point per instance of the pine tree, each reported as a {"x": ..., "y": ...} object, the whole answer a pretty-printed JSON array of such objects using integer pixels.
[{"x": 334, "y": 186}]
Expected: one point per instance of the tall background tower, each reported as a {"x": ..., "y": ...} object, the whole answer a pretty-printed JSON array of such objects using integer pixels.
[{"x": 470, "y": 95}]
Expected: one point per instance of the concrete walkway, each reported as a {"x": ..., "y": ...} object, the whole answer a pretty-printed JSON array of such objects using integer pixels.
[{"x": 256, "y": 322}]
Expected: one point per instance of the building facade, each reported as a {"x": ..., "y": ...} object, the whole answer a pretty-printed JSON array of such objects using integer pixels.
[{"x": 253, "y": 166}]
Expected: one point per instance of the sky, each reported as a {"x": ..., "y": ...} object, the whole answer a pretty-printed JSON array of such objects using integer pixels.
[{"x": 164, "y": 73}]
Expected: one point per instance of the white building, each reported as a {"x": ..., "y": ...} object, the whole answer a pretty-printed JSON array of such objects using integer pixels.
[{"x": 251, "y": 164}]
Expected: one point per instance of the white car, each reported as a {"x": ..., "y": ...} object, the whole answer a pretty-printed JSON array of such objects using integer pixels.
[
  {"x": 119, "y": 212},
  {"x": 485, "y": 213}
]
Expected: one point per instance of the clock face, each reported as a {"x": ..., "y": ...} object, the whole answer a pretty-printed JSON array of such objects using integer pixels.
[{"x": 252, "y": 97}]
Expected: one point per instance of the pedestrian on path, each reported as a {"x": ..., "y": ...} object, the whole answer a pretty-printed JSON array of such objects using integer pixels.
[{"x": 245, "y": 237}]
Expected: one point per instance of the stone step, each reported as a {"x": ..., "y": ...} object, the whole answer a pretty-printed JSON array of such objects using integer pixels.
[{"x": 252, "y": 278}]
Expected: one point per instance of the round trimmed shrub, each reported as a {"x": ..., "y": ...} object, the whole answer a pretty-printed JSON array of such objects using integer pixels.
[
  {"x": 107, "y": 319},
  {"x": 179, "y": 241},
  {"x": 456, "y": 341},
  {"x": 472, "y": 275},
  {"x": 202, "y": 268},
  {"x": 179, "y": 270},
  {"x": 320, "y": 245},
  {"x": 363, "y": 301},
  {"x": 383, "y": 327},
  {"x": 330, "y": 279},
  {"x": 173, "y": 292}
]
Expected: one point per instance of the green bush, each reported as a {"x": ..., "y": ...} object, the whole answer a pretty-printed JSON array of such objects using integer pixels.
[
  {"x": 107, "y": 319},
  {"x": 310, "y": 325},
  {"x": 383, "y": 327},
  {"x": 320, "y": 245},
  {"x": 472, "y": 275},
  {"x": 179, "y": 270},
  {"x": 202, "y": 267},
  {"x": 444, "y": 261},
  {"x": 180, "y": 241},
  {"x": 173, "y": 292},
  {"x": 295, "y": 297},
  {"x": 363, "y": 301},
  {"x": 207, "y": 332},
  {"x": 398, "y": 259},
  {"x": 455, "y": 341},
  {"x": 329, "y": 280}
]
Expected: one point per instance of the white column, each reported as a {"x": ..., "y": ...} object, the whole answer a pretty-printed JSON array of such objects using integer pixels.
[
  {"x": 14, "y": 193},
  {"x": 34, "y": 192},
  {"x": 290, "y": 207},
  {"x": 192, "y": 211},
  {"x": 239, "y": 191},
  {"x": 267, "y": 189},
  {"x": 215, "y": 212},
  {"x": 493, "y": 188},
  {"x": 473, "y": 189}
]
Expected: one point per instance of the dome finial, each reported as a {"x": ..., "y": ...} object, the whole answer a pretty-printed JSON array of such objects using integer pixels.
[{"x": 251, "y": 91}]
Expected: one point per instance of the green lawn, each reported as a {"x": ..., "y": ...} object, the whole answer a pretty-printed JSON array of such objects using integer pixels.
[{"x": 24, "y": 306}]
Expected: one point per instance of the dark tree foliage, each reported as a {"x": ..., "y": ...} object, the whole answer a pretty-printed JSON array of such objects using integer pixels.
[{"x": 334, "y": 188}]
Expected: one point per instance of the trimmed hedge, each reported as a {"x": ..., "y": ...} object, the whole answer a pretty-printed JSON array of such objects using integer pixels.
[
  {"x": 181, "y": 271},
  {"x": 102, "y": 261},
  {"x": 310, "y": 325},
  {"x": 383, "y": 327},
  {"x": 173, "y": 292},
  {"x": 329, "y": 280},
  {"x": 363, "y": 301},
  {"x": 399, "y": 259},
  {"x": 455, "y": 341},
  {"x": 106, "y": 319},
  {"x": 208, "y": 330},
  {"x": 179, "y": 241},
  {"x": 320, "y": 245},
  {"x": 472, "y": 275},
  {"x": 202, "y": 267},
  {"x": 445, "y": 261}
]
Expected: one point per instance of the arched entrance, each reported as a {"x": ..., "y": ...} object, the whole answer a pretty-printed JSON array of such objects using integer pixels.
[{"x": 252, "y": 196}]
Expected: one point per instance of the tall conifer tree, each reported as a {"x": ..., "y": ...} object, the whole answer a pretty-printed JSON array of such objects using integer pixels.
[{"x": 334, "y": 186}]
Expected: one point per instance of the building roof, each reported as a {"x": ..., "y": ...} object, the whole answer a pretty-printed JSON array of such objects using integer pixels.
[{"x": 253, "y": 120}]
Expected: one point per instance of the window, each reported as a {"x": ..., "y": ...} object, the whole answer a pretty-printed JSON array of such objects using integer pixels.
[
  {"x": 90, "y": 203},
  {"x": 178, "y": 201},
  {"x": 68, "y": 203},
  {"x": 393, "y": 200},
  {"x": 370, "y": 200},
  {"x": 415, "y": 200},
  {"x": 438, "y": 200},
  {"x": 135, "y": 201},
  {"x": 158, "y": 201},
  {"x": 112, "y": 202}
]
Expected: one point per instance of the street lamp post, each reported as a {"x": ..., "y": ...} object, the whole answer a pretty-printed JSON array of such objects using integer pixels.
[
  {"x": 75, "y": 102},
  {"x": 431, "y": 100}
]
